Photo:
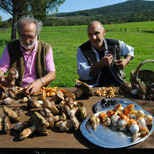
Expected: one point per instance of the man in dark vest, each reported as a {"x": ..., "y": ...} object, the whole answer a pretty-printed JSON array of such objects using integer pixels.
[
  {"x": 99, "y": 60},
  {"x": 31, "y": 57}
]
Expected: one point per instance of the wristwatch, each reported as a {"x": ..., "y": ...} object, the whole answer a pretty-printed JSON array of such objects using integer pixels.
[
  {"x": 42, "y": 80},
  {"x": 128, "y": 59}
]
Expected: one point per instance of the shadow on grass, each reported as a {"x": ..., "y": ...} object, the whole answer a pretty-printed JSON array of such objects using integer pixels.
[{"x": 148, "y": 31}]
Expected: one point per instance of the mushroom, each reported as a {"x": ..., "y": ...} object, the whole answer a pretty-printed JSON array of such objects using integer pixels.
[
  {"x": 6, "y": 124},
  {"x": 38, "y": 123},
  {"x": 2, "y": 92},
  {"x": 60, "y": 96},
  {"x": 46, "y": 113},
  {"x": 70, "y": 102},
  {"x": 76, "y": 123},
  {"x": 10, "y": 113},
  {"x": 94, "y": 121},
  {"x": 1, "y": 124},
  {"x": 12, "y": 76},
  {"x": 65, "y": 125},
  {"x": 82, "y": 89},
  {"x": 11, "y": 93},
  {"x": 50, "y": 105},
  {"x": 19, "y": 126},
  {"x": 7, "y": 101},
  {"x": 26, "y": 132},
  {"x": 139, "y": 90},
  {"x": 68, "y": 94},
  {"x": 125, "y": 87},
  {"x": 25, "y": 100},
  {"x": 82, "y": 112},
  {"x": 60, "y": 117},
  {"x": 34, "y": 102}
]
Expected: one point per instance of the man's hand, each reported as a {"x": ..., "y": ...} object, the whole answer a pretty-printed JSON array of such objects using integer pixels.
[
  {"x": 121, "y": 63},
  {"x": 34, "y": 87},
  {"x": 106, "y": 60}
]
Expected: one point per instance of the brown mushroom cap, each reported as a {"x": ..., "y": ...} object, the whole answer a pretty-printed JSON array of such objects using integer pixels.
[
  {"x": 38, "y": 120},
  {"x": 10, "y": 113},
  {"x": 125, "y": 87},
  {"x": 68, "y": 94},
  {"x": 84, "y": 86}
]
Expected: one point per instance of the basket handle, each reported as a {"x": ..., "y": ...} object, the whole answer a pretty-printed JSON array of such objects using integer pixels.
[{"x": 137, "y": 70}]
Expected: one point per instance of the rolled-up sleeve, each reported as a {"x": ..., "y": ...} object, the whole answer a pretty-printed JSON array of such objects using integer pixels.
[
  {"x": 5, "y": 60},
  {"x": 83, "y": 69},
  {"x": 50, "y": 65},
  {"x": 126, "y": 49}
]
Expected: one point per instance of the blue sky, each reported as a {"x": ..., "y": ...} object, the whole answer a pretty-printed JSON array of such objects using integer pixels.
[{"x": 75, "y": 5}]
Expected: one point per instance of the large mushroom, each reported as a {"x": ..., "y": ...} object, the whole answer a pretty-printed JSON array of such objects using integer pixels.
[
  {"x": 82, "y": 89},
  {"x": 38, "y": 123}
]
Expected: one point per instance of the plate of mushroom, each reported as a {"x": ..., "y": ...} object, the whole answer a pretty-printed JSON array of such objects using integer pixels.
[{"x": 118, "y": 124}]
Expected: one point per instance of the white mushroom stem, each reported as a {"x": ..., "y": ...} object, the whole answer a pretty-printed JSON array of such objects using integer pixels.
[
  {"x": 76, "y": 123},
  {"x": 73, "y": 111},
  {"x": 26, "y": 132}
]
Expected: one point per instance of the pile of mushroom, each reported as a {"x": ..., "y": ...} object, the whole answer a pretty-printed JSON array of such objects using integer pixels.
[
  {"x": 62, "y": 108},
  {"x": 108, "y": 92},
  {"x": 61, "y": 111}
]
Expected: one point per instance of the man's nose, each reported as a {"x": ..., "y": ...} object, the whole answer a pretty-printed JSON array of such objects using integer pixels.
[
  {"x": 94, "y": 37},
  {"x": 28, "y": 40}
]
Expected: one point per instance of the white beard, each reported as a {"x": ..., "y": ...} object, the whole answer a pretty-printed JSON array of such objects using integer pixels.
[{"x": 28, "y": 46}]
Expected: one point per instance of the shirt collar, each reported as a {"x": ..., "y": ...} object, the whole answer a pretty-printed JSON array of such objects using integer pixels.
[{"x": 106, "y": 47}]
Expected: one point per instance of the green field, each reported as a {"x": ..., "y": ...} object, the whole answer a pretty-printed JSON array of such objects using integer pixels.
[{"x": 65, "y": 41}]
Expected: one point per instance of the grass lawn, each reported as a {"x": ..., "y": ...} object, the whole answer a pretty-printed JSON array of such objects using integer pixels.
[{"x": 66, "y": 39}]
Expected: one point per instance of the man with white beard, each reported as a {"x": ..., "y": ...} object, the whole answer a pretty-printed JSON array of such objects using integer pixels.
[{"x": 31, "y": 57}]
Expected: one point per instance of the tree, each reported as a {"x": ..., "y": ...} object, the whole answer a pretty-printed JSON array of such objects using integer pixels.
[{"x": 18, "y": 8}]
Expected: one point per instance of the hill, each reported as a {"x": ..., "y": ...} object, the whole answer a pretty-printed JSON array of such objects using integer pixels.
[{"x": 129, "y": 11}]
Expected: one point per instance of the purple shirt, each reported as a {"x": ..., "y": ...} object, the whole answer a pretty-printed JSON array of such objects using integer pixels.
[{"x": 29, "y": 64}]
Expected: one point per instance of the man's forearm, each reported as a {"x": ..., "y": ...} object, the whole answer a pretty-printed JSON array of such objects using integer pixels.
[
  {"x": 128, "y": 57},
  {"x": 95, "y": 68},
  {"x": 1, "y": 73},
  {"x": 48, "y": 78}
]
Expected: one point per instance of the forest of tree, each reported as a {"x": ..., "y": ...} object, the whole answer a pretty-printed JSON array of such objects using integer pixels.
[{"x": 129, "y": 11}]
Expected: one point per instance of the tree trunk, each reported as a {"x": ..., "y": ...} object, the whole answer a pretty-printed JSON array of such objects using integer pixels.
[{"x": 14, "y": 21}]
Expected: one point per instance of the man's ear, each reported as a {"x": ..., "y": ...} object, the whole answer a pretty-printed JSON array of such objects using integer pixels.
[{"x": 104, "y": 32}]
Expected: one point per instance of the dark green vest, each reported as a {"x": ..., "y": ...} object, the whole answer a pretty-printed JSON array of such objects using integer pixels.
[
  {"x": 17, "y": 59},
  {"x": 113, "y": 48}
]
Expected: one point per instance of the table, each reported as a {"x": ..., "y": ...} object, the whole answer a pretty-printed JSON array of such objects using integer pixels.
[{"x": 56, "y": 140}]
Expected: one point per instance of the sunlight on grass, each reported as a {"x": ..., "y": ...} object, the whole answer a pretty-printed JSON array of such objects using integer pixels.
[{"x": 66, "y": 39}]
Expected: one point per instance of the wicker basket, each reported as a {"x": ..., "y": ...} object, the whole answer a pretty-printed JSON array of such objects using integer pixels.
[{"x": 145, "y": 76}]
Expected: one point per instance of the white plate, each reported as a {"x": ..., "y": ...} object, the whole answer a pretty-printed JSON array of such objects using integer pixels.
[{"x": 110, "y": 137}]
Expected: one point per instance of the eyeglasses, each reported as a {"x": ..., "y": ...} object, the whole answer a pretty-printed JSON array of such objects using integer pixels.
[{"x": 25, "y": 37}]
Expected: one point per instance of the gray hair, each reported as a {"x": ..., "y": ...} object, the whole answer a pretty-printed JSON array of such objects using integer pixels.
[{"x": 26, "y": 19}]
